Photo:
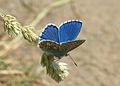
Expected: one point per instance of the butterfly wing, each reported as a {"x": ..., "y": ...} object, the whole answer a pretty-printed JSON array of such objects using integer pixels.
[
  {"x": 68, "y": 46},
  {"x": 50, "y": 33},
  {"x": 53, "y": 48},
  {"x": 49, "y": 46},
  {"x": 69, "y": 30}
]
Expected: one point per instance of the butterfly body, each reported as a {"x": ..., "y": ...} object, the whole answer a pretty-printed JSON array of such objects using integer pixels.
[{"x": 58, "y": 41}]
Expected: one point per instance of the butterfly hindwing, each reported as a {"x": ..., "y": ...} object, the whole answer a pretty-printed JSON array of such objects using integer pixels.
[
  {"x": 50, "y": 33},
  {"x": 69, "y": 30},
  {"x": 68, "y": 46},
  {"x": 49, "y": 46},
  {"x": 52, "y": 48}
]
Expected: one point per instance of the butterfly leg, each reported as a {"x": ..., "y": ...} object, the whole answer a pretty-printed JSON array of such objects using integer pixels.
[{"x": 72, "y": 59}]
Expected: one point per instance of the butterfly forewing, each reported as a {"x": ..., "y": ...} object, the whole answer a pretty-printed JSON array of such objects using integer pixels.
[
  {"x": 69, "y": 30},
  {"x": 50, "y": 33}
]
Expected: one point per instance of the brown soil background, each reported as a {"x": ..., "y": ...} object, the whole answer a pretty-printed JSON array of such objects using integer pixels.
[{"x": 98, "y": 58}]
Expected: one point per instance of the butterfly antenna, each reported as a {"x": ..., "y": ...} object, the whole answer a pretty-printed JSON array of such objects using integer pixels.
[{"x": 72, "y": 60}]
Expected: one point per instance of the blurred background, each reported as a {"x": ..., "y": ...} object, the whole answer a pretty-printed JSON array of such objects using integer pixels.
[{"x": 98, "y": 58}]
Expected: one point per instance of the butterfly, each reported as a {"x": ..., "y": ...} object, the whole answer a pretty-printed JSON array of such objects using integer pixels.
[{"x": 58, "y": 41}]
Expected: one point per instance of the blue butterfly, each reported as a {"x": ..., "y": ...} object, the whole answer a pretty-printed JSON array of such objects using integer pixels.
[{"x": 58, "y": 41}]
